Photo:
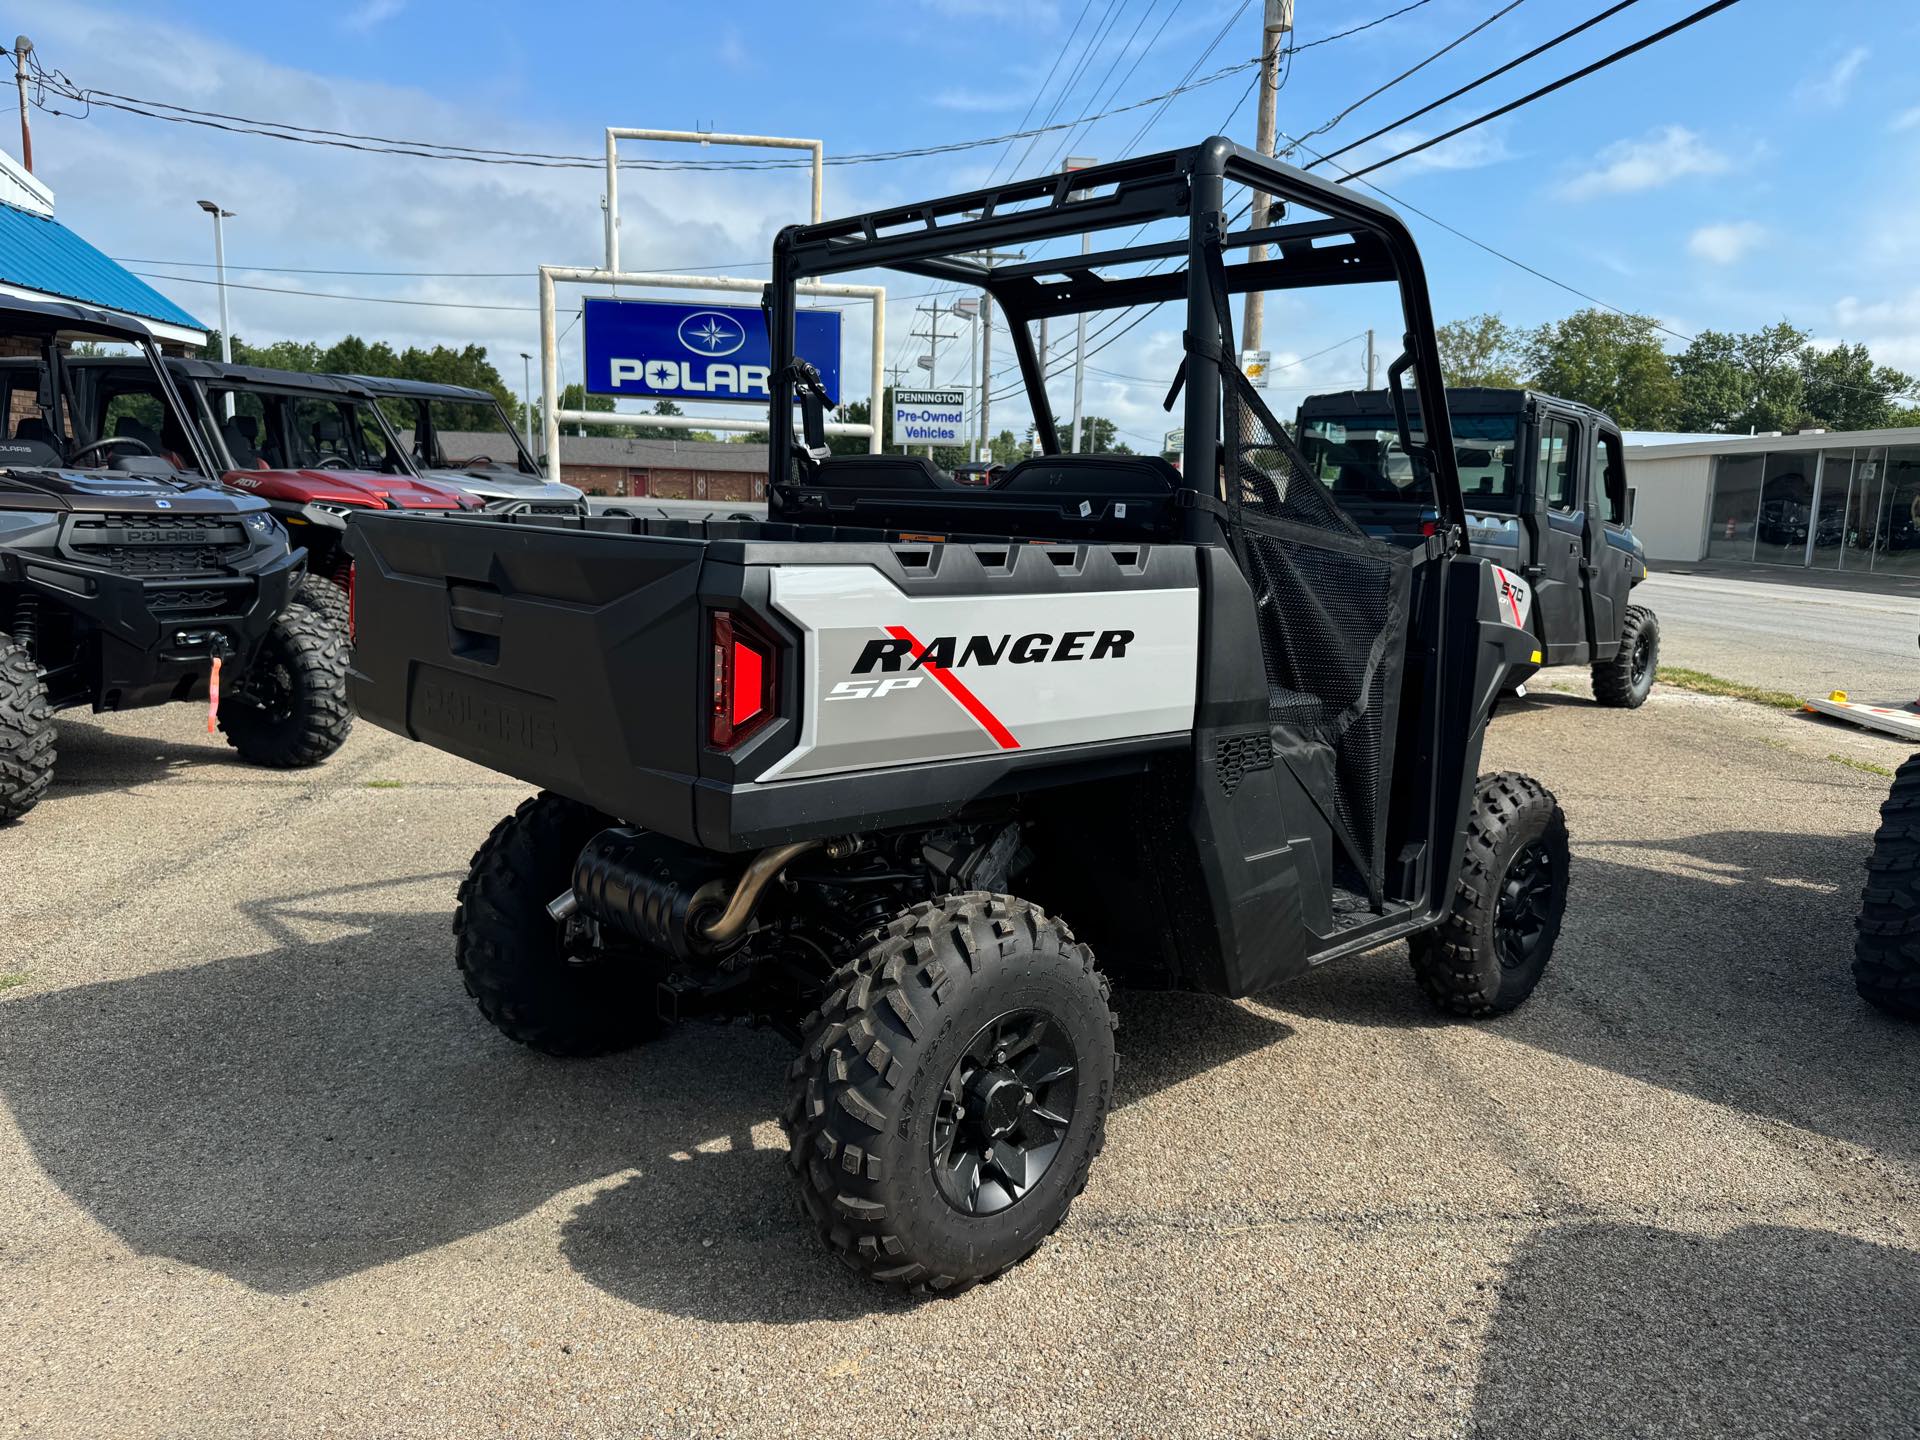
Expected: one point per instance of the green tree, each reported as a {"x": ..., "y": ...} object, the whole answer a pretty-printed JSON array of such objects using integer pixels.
[
  {"x": 1612, "y": 362},
  {"x": 1843, "y": 389},
  {"x": 1735, "y": 383},
  {"x": 1482, "y": 350},
  {"x": 655, "y": 432}
]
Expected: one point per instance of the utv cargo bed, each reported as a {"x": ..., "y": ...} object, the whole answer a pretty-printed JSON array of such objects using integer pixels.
[{"x": 578, "y": 655}]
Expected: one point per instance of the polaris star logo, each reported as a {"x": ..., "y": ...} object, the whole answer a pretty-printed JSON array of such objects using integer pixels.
[
  {"x": 945, "y": 652},
  {"x": 163, "y": 504},
  {"x": 712, "y": 334}
]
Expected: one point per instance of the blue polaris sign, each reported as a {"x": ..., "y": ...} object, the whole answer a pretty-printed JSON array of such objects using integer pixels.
[{"x": 665, "y": 349}]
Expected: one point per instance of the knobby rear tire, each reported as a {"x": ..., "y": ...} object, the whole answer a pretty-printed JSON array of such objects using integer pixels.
[
  {"x": 1622, "y": 683},
  {"x": 863, "y": 1093},
  {"x": 1886, "y": 942}
]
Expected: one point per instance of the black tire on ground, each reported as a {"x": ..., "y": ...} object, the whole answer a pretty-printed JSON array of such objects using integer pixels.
[
  {"x": 289, "y": 709},
  {"x": 316, "y": 592},
  {"x": 1490, "y": 951},
  {"x": 512, "y": 955},
  {"x": 972, "y": 1000},
  {"x": 1886, "y": 942},
  {"x": 26, "y": 733},
  {"x": 1625, "y": 681}
]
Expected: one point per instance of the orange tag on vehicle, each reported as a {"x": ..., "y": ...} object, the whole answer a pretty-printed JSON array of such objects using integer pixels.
[{"x": 213, "y": 698}]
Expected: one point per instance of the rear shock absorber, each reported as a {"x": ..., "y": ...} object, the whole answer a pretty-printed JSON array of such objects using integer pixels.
[{"x": 26, "y": 623}]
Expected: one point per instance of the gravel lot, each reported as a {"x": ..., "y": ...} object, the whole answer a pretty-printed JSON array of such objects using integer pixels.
[{"x": 264, "y": 1171}]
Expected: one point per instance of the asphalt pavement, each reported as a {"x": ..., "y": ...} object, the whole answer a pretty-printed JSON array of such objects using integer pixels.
[
  {"x": 264, "y": 1171},
  {"x": 1797, "y": 638}
]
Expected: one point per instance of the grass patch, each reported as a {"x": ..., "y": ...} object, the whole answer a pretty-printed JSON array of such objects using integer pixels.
[
  {"x": 1866, "y": 765},
  {"x": 384, "y": 784},
  {"x": 1702, "y": 683},
  {"x": 7, "y": 982}
]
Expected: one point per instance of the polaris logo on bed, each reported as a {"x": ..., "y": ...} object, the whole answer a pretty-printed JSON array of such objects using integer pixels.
[
  {"x": 947, "y": 652},
  {"x": 671, "y": 350}
]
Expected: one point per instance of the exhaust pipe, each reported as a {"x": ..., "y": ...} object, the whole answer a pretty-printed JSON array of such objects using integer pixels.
[{"x": 664, "y": 895}]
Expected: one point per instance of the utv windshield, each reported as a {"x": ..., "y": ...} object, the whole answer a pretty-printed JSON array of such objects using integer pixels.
[
  {"x": 55, "y": 419},
  {"x": 468, "y": 435},
  {"x": 1361, "y": 459}
]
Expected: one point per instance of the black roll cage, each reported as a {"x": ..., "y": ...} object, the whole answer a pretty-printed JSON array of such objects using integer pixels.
[{"x": 1357, "y": 242}]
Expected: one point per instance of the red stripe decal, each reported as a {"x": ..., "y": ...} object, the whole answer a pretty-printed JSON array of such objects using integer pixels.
[
  {"x": 955, "y": 687},
  {"x": 1513, "y": 601}
]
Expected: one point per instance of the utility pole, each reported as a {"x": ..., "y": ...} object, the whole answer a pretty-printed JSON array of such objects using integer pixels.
[
  {"x": 1079, "y": 162},
  {"x": 1369, "y": 357},
  {"x": 933, "y": 336},
  {"x": 23, "y": 47},
  {"x": 1278, "y": 23}
]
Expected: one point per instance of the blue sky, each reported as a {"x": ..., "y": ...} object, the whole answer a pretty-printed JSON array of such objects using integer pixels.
[{"x": 1752, "y": 168}]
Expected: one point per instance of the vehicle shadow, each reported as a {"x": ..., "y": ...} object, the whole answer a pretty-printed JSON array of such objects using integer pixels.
[
  {"x": 1715, "y": 965},
  {"x": 1606, "y": 1330},
  {"x": 335, "y": 1103},
  {"x": 93, "y": 758}
]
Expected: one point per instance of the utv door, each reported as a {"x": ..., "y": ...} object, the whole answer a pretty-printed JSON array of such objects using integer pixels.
[
  {"x": 1561, "y": 525},
  {"x": 1610, "y": 569}
]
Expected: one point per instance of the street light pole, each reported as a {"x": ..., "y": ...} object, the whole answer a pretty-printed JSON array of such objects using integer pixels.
[
  {"x": 23, "y": 47},
  {"x": 220, "y": 271},
  {"x": 526, "y": 398}
]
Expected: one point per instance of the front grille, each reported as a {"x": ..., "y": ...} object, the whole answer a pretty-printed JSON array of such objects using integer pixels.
[
  {"x": 158, "y": 544},
  {"x": 181, "y": 599}
]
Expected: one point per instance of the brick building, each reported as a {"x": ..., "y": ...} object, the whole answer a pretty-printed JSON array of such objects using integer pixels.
[{"x": 666, "y": 469}]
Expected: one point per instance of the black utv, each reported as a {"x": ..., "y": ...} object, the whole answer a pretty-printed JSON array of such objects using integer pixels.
[
  {"x": 1544, "y": 483},
  {"x": 891, "y": 766},
  {"x": 129, "y": 576}
]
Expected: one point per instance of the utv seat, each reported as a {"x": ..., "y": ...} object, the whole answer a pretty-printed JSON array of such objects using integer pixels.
[{"x": 128, "y": 428}]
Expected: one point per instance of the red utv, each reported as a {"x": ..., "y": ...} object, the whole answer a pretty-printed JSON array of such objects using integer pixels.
[{"x": 315, "y": 448}]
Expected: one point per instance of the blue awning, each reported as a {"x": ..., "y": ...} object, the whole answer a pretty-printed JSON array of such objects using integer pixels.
[{"x": 40, "y": 254}]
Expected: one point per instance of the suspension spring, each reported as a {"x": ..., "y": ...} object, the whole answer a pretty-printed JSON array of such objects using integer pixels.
[{"x": 26, "y": 622}]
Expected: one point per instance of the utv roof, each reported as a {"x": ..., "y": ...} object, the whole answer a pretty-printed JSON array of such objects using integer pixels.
[
  {"x": 419, "y": 389},
  {"x": 49, "y": 316},
  {"x": 259, "y": 377},
  {"x": 1461, "y": 400}
]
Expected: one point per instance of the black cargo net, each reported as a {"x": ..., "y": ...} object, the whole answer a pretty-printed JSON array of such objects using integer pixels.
[{"x": 1332, "y": 605}]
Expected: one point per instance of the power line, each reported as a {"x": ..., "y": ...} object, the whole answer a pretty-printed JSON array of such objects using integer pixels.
[
  {"x": 1495, "y": 74},
  {"x": 1585, "y": 70},
  {"x": 1413, "y": 70},
  {"x": 59, "y": 84}
]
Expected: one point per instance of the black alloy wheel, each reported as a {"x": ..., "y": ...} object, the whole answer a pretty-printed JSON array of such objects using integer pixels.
[
  {"x": 1004, "y": 1112},
  {"x": 1525, "y": 906}
]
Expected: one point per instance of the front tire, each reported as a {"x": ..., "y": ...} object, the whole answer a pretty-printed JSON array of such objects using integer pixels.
[
  {"x": 1886, "y": 942},
  {"x": 1624, "y": 682},
  {"x": 1491, "y": 950},
  {"x": 952, "y": 1093},
  {"x": 513, "y": 955},
  {"x": 26, "y": 733},
  {"x": 289, "y": 709},
  {"x": 318, "y": 593}
]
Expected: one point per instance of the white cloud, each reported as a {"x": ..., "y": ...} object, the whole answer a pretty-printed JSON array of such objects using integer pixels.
[
  {"x": 1725, "y": 243},
  {"x": 1832, "y": 88},
  {"x": 1890, "y": 328},
  {"x": 1906, "y": 120},
  {"x": 370, "y": 14},
  {"x": 1657, "y": 158},
  {"x": 1471, "y": 151}
]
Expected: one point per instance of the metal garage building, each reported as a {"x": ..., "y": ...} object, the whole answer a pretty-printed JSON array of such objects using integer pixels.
[{"x": 1835, "y": 500}]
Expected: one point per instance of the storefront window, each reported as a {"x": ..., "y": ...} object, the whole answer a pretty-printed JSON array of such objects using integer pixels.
[
  {"x": 1863, "y": 510},
  {"x": 1736, "y": 506},
  {"x": 1900, "y": 513},
  {"x": 1786, "y": 509},
  {"x": 1835, "y": 473}
]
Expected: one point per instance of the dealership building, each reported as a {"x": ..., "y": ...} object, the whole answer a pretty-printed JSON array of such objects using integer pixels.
[{"x": 1821, "y": 500}]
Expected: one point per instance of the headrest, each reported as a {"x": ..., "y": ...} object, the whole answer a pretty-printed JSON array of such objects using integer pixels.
[
  {"x": 33, "y": 427},
  {"x": 247, "y": 425}
]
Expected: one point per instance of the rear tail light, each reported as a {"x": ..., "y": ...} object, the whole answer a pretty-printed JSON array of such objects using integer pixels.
[
  {"x": 743, "y": 679},
  {"x": 1429, "y": 528}
]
